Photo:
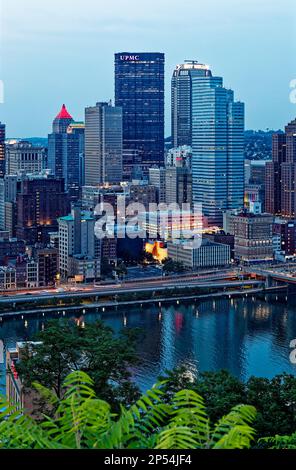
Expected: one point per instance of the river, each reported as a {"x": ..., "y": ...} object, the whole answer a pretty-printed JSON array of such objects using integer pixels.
[{"x": 247, "y": 336}]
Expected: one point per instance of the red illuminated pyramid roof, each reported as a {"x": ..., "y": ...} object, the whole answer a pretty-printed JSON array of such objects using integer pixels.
[{"x": 63, "y": 114}]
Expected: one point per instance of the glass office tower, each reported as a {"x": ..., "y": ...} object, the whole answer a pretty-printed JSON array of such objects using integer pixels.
[
  {"x": 217, "y": 148},
  {"x": 64, "y": 153},
  {"x": 139, "y": 90},
  {"x": 181, "y": 100}
]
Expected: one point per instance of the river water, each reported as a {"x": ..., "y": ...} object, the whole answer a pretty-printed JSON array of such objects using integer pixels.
[{"x": 247, "y": 336}]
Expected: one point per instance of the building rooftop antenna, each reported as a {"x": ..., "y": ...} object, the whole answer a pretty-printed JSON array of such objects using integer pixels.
[{"x": 187, "y": 61}]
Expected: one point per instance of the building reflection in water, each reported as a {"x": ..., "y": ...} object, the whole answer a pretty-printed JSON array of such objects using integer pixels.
[{"x": 244, "y": 335}]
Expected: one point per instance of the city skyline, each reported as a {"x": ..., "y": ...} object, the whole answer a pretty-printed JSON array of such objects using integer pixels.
[{"x": 77, "y": 67}]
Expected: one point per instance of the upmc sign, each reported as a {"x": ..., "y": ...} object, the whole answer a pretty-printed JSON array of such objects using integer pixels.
[{"x": 129, "y": 57}]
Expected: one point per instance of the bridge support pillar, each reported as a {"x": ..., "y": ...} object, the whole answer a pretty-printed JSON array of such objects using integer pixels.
[{"x": 269, "y": 282}]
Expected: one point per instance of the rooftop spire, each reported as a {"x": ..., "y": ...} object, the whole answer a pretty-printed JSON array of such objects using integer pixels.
[{"x": 63, "y": 114}]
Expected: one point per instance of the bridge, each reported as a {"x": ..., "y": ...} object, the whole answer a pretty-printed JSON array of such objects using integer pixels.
[
  {"x": 98, "y": 293},
  {"x": 272, "y": 276}
]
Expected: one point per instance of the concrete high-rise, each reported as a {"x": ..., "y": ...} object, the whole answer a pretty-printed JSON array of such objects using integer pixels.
[
  {"x": 79, "y": 248},
  {"x": 103, "y": 144},
  {"x": 26, "y": 157},
  {"x": 181, "y": 100},
  {"x": 217, "y": 148},
  {"x": 139, "y": 90}
]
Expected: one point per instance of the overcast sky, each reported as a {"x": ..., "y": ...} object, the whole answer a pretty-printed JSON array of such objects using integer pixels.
[{"x": 62, "y": 51}]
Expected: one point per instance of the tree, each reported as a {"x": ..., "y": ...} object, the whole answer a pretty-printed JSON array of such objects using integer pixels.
[
  {"x": 146, "y": 258},
  {"x": 65, "y": 347},
  {"x": 221, "y": 390},
  {"x": 106, "y": 267},
  {"x": 83, "y": 421},
  {"x": 274, "y": 399},
  {"x": 171, "y": 266},
  {"x": 121, "y": 270}
]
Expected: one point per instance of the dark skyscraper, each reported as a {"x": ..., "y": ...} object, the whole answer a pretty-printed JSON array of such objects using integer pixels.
[
  {"x": 288, "y": 169},
  {"x": 64, "y": 149},
  {"x": 280, "y": 193},
  {"x": 41, "y": 200},
  {"x": 139, "y": 90},
  {"x": 273, "y": 185},
  {"x": 2, "y": 150}
]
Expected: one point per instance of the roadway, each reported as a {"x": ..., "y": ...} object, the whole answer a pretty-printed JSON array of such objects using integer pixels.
[{"x": 215, "y": 281}]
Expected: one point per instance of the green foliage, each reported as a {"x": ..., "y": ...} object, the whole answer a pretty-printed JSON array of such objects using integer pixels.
[
  {"x": 170, "y": 266},
  {"x": 81, "y": 420},
  {"x": 279, "y": 442},
  {"x": 274, "y": 399},
  {"x": 65, "y": 347}
]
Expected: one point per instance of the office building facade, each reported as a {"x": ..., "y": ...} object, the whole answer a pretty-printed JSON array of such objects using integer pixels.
[
  {"x": 208, "y": 254},
  {"x": 40, "y": 201},
  {"x": 79, "y": 248},
  {"x": 253, "y": 236},
  {"x": 139, "y": 90},
  {"x": 25, "y": 157},
  {"x": 64, "y": 152},
  {"x": 217, "y": 148},
  {"x": 157, "y": 177},
  {"x": 181, "y": 100},
  {"x": 2, "y": 150},
  {"x": 103, "y": 144}
]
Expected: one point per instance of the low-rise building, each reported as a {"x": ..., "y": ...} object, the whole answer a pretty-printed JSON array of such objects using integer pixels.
[
  {"x": 7, "y": 278},
  {"x": 253, "y": 236},
  {"x": 16, "y": 393},
  {"x": 208, "y": 254},
  {"x": 47, "y": 259}
]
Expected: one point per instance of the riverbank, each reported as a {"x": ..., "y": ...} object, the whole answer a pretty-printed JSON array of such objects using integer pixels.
[{"x": 165, "y": 300}]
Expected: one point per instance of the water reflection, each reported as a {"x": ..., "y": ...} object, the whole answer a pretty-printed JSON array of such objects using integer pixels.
[{"x": 247, "y": 336}]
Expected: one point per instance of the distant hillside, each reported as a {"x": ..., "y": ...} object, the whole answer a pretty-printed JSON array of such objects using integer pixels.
[
  {"x": 40, "y": 141},
  {"x": 258, "y": 144}
]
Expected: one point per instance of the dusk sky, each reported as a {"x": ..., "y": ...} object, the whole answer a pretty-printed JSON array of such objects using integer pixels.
[{"x": 62, "y": 51}]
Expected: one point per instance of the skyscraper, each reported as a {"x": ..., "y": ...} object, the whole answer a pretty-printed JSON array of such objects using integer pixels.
[
  {"x": 62, "y": 121},
  {"x": 217, "y": 148},
  {"x": 139, "y": 90},
  {"x": 281, "y": 173},
  {"x": 41, "y": 200},
  {"x": 78, "y": 129},
  {"x": 2, "y": 150},
  {"x": 288, "y": 170},
  {"x": 181, "y": 100},
  {"x": 103, "y": 144},
  {"x": 64, "y": 152},
  {"x": 273, "y": 185}
]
